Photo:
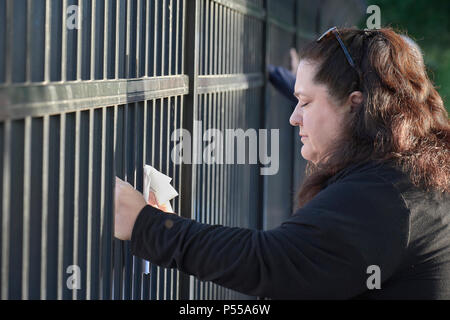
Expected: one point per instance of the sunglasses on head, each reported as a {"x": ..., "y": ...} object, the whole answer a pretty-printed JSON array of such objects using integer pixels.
[{"x": 335, "y": 31}]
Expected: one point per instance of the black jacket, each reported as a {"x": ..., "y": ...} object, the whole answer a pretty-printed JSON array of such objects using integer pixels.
[{"x": 369, "y": 214}]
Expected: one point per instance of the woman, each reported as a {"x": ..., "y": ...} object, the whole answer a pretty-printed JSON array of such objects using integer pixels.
[{"x": 374, "y": 210}]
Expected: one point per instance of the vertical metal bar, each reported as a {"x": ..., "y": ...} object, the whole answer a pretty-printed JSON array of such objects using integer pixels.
[
  {"x": 208, "y": 165},
  {"x": 211, "y": 42},
  {"x": 161, "y": 271},
  {"x": 28, "y": 43},
  {"x": 79, "y": 38},
  {"x": 239, "y": 43},
  {"x": 231, "y": 41},
  {"x": 153, "y": 131},
  {"x": 216, "y": 51},
  {"x": 155, "y": 44},
  {"x": 26, "y": 208},
  {"x": 64, "y": 42},
  {"x": 161, "y": 119},
  {"x": 243, "y": 43},
  {"x": 203, "y": 110},
  {"x": 235, "y": 41},
  {"x": 220, "y": 50},
  {"x": 147, "y": 42},
  {"x": 9, "y": 45},
  {"x": 213, "y": 24},
  {"x": 61, "y": 205},
  {"x": 128, "y": 42},
  {"x": 263, "y": 63},
  {"x": 89, "y": 205},
  {"x": 225, "y": 165},
  {"x": 219, "y": 116},
  {"x": 168, "y": 272},
  {"x": 230, "y": 166},
  {"x": 154, "y": 270},
  {"x": 244, "y": 60},
  {"x": 144, "y": 133},
  {"x": 239, "y": 167},
  {"x": 177, "y": 35},
  {"x": 138, "y": 32},
  {"x": 6, "y": 208},
  {"x": 182, "y": 37},
  {"x": 163, "y": 31},
  {"x": 180, "y": 181},
  {"x": 136, "y": 269},
  {"x": 102, "y": 198},
  {"x": 105, "y": 45},
  {"x": 227, "y": 40},
  {"x": 116, "y": 286},
  {"x": 201, "y": 52},
  {"x": 93, "y": 9},
  {"x": 190, "y": 60},
  {"x": 45, "y": 156},
  {"x": 145, "y": 264},
  {"x": 124, "y": 246},
  {"x": 207, "y": 50},
  {"x": 234, "y": 213},
  {"x": 170, "y": 36},
  {"x": 116, "y": 57},
  {"x": 213, "y": 168},
  {"x": 213, "y": 165},
  {"x": 169, "y": 99},
  {"x": 219, "y": 166},
  {"x": 48, "y": 17},
  {"x": 76, "y": 195},
  {"x": 176, "y": 208},
  {"x": 223, "y": 152}
]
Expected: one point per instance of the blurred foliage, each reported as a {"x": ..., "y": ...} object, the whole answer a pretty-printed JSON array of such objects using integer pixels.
[{"x": 426, "y": 22}]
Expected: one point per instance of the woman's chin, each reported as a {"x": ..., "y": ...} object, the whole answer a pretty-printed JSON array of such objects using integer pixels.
[{"x": 307, "y": 154}]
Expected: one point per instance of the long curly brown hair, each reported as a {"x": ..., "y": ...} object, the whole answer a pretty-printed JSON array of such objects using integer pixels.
[{"x": 402, "y": 117}]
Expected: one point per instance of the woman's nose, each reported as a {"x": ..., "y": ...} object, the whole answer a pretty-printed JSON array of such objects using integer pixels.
[{"x": 296, "y": 117}]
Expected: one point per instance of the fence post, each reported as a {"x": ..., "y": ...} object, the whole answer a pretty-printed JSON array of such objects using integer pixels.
[{"x": 191, "y": 63}]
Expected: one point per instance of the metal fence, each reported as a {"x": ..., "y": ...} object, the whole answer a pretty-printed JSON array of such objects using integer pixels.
[{"x": 81, "y": 104}]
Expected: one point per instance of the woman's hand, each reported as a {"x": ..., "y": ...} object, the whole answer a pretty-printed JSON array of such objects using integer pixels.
[
  {"x": 128, "y": 204},
  {"x": 295, "y": 60}
]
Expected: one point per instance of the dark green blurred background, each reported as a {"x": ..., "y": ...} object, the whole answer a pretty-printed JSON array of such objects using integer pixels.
[{"x": 426, "y": 22}]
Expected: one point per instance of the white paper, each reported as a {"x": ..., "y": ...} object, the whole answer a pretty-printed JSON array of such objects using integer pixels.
[{"x": 159, "y": 184}]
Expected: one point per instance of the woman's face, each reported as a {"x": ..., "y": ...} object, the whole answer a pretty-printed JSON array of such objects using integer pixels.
[{"x": 320, "y": 119}]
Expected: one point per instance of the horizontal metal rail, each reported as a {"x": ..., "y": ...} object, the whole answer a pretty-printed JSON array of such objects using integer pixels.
[
  {"x": 19, "y": 101},
  {"x": 225, "y": 82}
]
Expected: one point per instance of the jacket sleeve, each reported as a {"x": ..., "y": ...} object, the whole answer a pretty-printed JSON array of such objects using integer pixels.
[
  {"x": 321, "y": 252},
  {"x": 284, "y": 81}
]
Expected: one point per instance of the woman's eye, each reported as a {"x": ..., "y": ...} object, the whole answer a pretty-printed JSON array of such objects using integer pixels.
[{"x": 303, "y": 105}]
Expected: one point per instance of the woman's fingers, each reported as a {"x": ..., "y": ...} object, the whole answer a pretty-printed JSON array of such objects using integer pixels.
[
  {"x": 152, "y": 199},
  {"x": 163, "y": 208},
  {"x": 154, "y": 202},
  {"x": 294, "y": 60}
]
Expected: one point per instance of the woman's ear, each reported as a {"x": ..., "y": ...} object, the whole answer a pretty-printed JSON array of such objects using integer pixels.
[{"x": 355, "y": 100}]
